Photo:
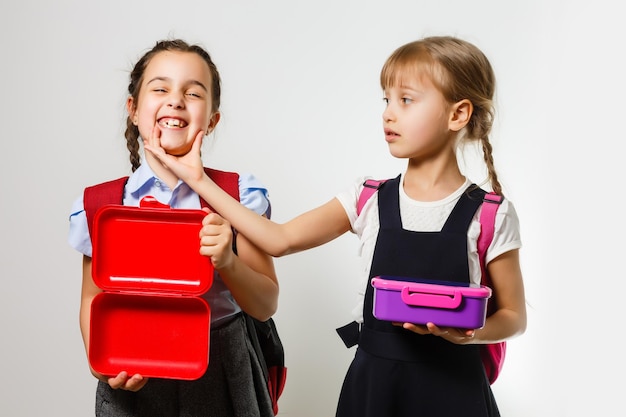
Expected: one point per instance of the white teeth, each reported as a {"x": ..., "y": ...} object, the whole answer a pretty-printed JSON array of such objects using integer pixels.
[{"x": 173, "y": 123}]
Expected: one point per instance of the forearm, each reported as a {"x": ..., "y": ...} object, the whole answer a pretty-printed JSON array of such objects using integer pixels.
[
  {"x": 306, "y": 231},
  {"x": 502, "y": 325},
  {"x": 88, "y": 292},
  {"x": 255, "y": 293},
  {"x": 252, "y": 280},
  {"x": 509, "y": 320},
  {"x": 266, "y": 234},
  {"x": 84, "y": 323}
]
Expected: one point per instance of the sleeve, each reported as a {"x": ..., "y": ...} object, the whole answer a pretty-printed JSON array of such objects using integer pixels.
[
  {"x": 507, "y": 235},
  {"x": 254, "y": 195},
  {"x": 78, "y": 237},
  {"x": 349, "y": 199}
]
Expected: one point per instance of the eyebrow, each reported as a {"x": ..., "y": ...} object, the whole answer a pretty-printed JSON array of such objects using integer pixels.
[{"x": 193, "y": 82}]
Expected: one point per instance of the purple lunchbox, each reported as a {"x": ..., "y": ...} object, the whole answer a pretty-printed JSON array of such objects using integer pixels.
[{"x": 446, "y": 304}]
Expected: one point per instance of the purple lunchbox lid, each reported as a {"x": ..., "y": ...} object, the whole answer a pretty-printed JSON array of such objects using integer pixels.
[{"x": 385, "y": 283}]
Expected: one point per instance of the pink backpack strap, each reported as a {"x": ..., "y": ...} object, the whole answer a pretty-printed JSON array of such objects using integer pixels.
[
  {"x": 369, "y": 188},
  {"x": 492, "y": 355},
  {"x": 491, "y": 202}
]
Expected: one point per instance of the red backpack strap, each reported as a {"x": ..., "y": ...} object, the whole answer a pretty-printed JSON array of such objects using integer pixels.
[
  {"x": 96, "y": 196},
  {"x": 227, "y": 181},
  {"x": 112, "y": 192},
  {"x": 369, "y": 188}
]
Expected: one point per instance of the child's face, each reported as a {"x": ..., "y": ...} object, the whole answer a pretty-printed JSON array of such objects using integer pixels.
[
  {"x": 416, "y": 119},
  {"x": 175, "y": 97}
]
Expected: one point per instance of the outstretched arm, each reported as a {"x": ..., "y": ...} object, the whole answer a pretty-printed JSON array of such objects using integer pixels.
[{"x": 306, "y": 231}]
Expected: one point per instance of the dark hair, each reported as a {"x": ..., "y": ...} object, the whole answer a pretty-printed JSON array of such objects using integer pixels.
[
  {"x": 460, "y": 71},
  {"x": 136, "y": 78}
]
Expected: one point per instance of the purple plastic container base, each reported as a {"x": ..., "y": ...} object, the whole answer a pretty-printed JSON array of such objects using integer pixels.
[{"x": 461, "y": 307}]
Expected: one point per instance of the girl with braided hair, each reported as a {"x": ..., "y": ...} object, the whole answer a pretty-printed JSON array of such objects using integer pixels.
[{"x": 174, "y": 95}]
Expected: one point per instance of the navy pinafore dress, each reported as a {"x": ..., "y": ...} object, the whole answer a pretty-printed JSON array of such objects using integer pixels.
[{"x": 398, "y": 373}]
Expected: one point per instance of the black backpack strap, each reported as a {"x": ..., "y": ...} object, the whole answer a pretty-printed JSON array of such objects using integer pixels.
[
  {"x": 271, "y": 354},
  {"x": 349, "y": 333}
]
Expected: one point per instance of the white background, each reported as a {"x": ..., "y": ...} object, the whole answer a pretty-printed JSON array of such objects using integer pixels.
[{"x": 302, "y": 111}]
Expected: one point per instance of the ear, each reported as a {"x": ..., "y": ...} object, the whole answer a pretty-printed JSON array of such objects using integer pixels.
[
  {"x": 131, "y": 109},
  {"x": 215, "y": 118},
  {"x": 460, "y": 114}
]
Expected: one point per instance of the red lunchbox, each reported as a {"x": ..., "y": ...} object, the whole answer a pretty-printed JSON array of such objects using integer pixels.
[{"x": 150, "y": 318}]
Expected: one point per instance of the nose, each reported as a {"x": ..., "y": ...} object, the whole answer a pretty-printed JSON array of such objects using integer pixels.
[
  {"x": 176, "y": 101},
  {"x": 388, "y": 114}
]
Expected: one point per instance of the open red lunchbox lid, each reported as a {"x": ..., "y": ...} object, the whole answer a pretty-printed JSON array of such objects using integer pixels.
[
  {"x": 149, "y": 319},
  {"x": 151, "y": 248}
]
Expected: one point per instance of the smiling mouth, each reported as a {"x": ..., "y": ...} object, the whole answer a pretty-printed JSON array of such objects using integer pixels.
[{"x": 172, "y": 123}]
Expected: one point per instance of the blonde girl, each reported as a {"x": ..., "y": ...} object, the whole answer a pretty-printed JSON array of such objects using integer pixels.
[{"x": 423, "y": 223}]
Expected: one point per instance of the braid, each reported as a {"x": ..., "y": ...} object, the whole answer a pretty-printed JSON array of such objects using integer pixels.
[
  {"x": 132, "y": 143},
  {"x": 491, "y": 170},
  {"x": 478, "y": 128}
]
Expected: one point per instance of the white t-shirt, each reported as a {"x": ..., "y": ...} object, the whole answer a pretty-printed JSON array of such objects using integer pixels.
[{"x": 420, "y": 216}]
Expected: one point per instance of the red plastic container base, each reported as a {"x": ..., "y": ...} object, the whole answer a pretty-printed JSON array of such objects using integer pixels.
[
  {"x": 445, "y": 304},
  {"x": 150, "y": 318},
  {"x": 155, "y": 336}
]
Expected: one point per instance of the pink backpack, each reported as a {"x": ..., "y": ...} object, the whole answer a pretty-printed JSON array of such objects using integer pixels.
[{"x": 492, "y": 354}]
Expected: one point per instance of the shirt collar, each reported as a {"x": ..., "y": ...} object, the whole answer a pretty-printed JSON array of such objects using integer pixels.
[
  {"x": 144, "y": 177},
  {"x": 141, "y": 177}
]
